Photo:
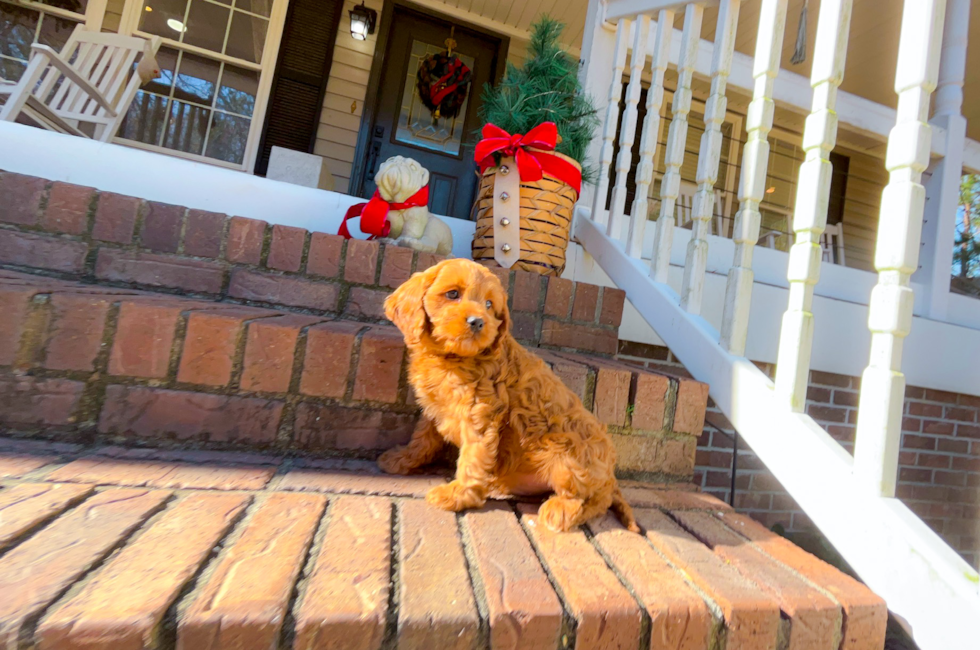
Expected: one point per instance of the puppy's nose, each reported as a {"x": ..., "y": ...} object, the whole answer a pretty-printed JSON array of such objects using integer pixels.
[{"x": 476, "y": 324}]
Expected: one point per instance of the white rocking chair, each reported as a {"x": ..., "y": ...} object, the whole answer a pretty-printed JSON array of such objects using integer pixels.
[
  {"x": 684, "y": 208},
  {"x": 832, "y": 243},
  {"x": 92, "y": 81}
]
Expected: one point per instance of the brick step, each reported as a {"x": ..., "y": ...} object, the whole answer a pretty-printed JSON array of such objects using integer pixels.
[
  {"x": 121, "y": 241},
  {"x": 109, "y": 548},
  {"x": 79, "y": 360}
]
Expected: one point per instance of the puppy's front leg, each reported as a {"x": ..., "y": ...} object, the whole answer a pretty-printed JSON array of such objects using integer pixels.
[
  {"x": 421, "y": 450},
  {"x": 477, "y": 460}
]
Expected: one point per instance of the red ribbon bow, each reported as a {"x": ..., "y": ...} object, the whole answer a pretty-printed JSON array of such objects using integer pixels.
[
  {"x": 529, "y": 150},
  {"x": 374, "y": 213}
]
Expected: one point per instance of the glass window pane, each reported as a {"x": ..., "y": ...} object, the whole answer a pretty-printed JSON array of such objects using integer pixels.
[
  {"x": 11, "y": 69},
  {"x": 146, "y": 117},
  {"x": 186, "y": 128},
  {"x": 238, "y": 89},
  {"x": 197, "y": 78},
  {"x": 163, "y": 17},
  {"x": 247, "y": 37},
  {"x": 206, "y": 25},
  {"x": 55, "y": 31},
  {"x": 17, "y": 27},
  {"x": 229, "y": 134},
  {"x": 261, "y": 7},
  {"x": 416, "y": 124}
]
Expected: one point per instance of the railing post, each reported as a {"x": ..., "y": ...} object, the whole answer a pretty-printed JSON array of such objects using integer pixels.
[
  {"x": 755, "y": 163},
  {"x": 879, "y": 426},
  {"x": 595, "y": 61},
  {"x": 708, "y": 156},
  {"x": 609, "y": 126},
  {"x": 676, "y": 141},
  {"x": 943, "y": 182},
  {"x": 810, "y": 209},
  {"x": 651, "y": 131},
  {"x": 627, "y": 132}
]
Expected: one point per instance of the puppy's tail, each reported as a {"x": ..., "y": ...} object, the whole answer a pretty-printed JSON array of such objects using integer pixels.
[{"x": 623, "y": 511}]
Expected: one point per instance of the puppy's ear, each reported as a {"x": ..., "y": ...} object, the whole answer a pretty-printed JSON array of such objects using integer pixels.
[
  {"x": 405, "y": 306},
  {"x": 503, "y": 314}
]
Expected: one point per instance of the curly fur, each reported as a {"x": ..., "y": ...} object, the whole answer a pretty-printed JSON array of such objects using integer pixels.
[{"x": 519, "y": 430}]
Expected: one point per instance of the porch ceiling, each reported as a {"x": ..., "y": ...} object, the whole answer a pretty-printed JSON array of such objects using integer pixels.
[{"x": 871, "y": 54}]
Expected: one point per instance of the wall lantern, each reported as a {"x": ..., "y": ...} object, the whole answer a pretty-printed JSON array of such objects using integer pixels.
[{"x": 362, "y": 20}]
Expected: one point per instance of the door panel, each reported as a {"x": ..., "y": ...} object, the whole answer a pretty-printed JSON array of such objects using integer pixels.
[{"x": 404, "y": 127}]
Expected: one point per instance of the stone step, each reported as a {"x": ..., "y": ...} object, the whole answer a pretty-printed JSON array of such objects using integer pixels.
[
  {"x": 124, "y": 365},
  {"x": 121, "y": 241},
  {"x": 223, "y": 550}
]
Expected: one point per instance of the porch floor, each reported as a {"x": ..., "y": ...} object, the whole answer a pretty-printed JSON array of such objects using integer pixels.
[{"x": 106, "y": 547}]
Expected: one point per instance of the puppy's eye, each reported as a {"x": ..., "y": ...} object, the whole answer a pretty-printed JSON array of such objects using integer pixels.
[
  {"x": 489, "y": 305},
  {"x": 452, "y": 295}
]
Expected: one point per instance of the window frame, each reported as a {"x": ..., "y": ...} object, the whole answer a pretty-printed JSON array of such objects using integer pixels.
[
  {"x": 129, "y": 25},
  {"x": 92, "y": 18}
]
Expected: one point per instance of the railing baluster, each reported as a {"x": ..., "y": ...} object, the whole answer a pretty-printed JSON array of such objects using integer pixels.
[
  {"x": 676, "y": 141},
  {"x": 755, "y": 163},
  {"x": 708, "y": 156},
  {"x": 879, "y": 425},
  {"x": 599, "y": 214},
  {"x": 627, "y": 134},
  {"x": 651, "y": 130},
  {"x": 810, "y": 209}
]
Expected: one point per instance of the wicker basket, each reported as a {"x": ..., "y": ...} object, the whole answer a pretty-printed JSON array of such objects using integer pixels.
[{"x": 546, "y": 218}]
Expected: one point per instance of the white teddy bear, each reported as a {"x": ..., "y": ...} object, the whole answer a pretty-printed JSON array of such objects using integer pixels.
[{"x": 397, "y": 179}]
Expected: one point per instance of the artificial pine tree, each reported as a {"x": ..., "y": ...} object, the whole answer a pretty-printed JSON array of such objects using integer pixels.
[{"x": 545, "y": 89}]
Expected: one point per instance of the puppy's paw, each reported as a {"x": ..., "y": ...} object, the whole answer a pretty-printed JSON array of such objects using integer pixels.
[
  {"x": 452, "y": 496},
  {"x": 560, "y": 514},
  {"x": 396, "y": 461}
]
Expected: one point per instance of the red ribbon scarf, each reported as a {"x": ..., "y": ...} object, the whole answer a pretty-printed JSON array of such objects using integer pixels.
[
  {"x": 374, "y": 213},
  {"x": 529, "y": 152}
]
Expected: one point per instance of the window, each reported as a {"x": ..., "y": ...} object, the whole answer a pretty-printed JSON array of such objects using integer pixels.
[
  {"x": 214, "y": 77},
  {"x": 725, "y": 187},
  {"x": 25, "y": 23}
]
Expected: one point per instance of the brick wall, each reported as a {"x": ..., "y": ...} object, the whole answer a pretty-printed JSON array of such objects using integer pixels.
[
  {"x": 101, "y": 237},
  {"x": 939, "y": 461},
  {"x": 79, "y": 361}
]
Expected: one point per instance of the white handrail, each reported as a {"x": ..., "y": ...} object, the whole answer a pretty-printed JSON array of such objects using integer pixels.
[
  {"x": 849, "y": 499},
  {"x": 641, "y": 25},
  {"x": 708, "y": 157},
  {"x": 879, "y": 426},
  {"x": 651, "y": 131},
  {"x": 812, "y": 197},
  {"x": 612, "y": 114},
  {"x": 755, "y": 164},
  {"x": 671, "y": 182}
]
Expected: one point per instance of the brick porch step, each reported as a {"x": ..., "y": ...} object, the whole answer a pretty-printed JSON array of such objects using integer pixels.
[
  {"x": 82, "y": 360},
  {"x": 110, "y": 548}
]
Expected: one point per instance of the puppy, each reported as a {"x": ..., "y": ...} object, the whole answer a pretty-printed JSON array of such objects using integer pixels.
[
  {"x": 519, "y": 430},
  {"x": 397, "y": 179}
]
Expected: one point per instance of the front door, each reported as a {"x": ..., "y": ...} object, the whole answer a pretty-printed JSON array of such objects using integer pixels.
[{"x": 404, "y": 127}]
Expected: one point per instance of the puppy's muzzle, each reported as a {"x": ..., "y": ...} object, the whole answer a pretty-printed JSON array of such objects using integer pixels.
[{"x": 476, "y": 324}]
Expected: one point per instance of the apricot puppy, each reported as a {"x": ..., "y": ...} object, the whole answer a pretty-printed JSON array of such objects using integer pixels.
[{"x": 519, "y": 430}]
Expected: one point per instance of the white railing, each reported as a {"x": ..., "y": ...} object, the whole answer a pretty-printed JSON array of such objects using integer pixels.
[{"x": 850, "y": 499}]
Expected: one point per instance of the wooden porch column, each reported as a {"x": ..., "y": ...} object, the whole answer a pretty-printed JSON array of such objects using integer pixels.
[{"x": 943, "y": 175}]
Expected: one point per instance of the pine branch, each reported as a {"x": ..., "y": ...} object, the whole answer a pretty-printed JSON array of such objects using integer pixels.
[{"x": 546, "y": 88}]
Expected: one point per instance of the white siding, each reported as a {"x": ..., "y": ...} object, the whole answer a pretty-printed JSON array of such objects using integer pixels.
[{"x": 343, "y": 103}]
